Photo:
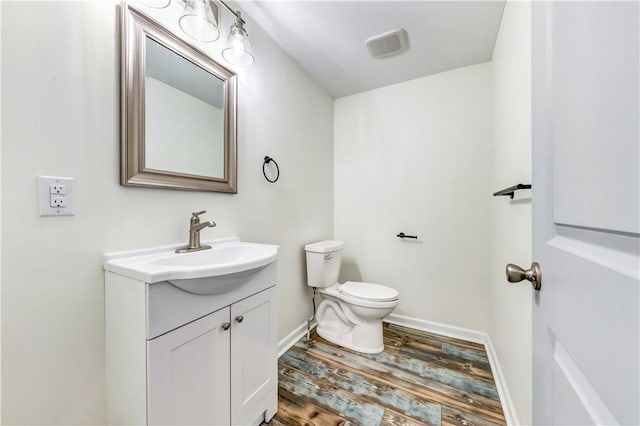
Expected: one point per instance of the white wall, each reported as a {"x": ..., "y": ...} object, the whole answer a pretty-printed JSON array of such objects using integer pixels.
[
  {"x": 60, "y": 111},
  {"x": 510, "y": 320},
  {"x": 413, "y": 157},
  {"x": 0, "y": 225},
  {"x": 182, "y": 133}
]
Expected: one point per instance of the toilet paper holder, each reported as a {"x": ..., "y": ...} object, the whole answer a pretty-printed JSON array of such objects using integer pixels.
[{"x": 403, "y": 235}]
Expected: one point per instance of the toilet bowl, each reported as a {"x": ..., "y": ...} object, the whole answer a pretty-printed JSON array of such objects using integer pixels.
[{"x": 349, "y": 314}]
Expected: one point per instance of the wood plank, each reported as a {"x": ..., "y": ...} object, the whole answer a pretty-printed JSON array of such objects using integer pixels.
[
  {"x": 275, "y": 421},
  {"x": 462, "y": 366},
  {"x": 453, "y": 417},
  {"x": 442, "y": 338},
  {"x": 393, "y": 337},
  {"x": 400, "y": 379},
  {"x": 365, "y": 389},
  {"x": 397, "y": 338},
  {"x": 391, "y": 342},
  {"x": 297, "y": 410},
  {"x": 330, "y": 398},
  {"x": 465, "y": 353},
  {"x": 428, "y": 338},
  {"x": 444, "y": 360},
  {"x": 391, "y": 418},
  {"x": 422, "y": 371}
]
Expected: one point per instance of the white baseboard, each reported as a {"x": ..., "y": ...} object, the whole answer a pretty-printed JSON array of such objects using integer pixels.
[
  {"x": 501, "y": 384},
  {"x": 471, "y": 336},
  {"x": 292, "y": 338}
]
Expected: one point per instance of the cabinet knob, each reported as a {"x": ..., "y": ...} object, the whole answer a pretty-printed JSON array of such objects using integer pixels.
[
  {"x": 239, "y": 318},
  {"x": 225, "y": 325}
]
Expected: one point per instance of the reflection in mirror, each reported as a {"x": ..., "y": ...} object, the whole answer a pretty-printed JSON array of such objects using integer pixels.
[
  {"x": 178, "y": 112},
  {"x": 184, "y": 115}
]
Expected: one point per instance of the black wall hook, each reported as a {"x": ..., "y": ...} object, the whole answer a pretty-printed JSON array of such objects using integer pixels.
[{"x": 268, "y": 160}]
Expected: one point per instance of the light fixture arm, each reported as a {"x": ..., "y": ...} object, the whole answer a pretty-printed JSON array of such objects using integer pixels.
[{"x": 236, "y": 14}]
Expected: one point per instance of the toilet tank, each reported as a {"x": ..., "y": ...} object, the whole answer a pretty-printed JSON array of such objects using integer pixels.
[{"x": 323, "y": 263}]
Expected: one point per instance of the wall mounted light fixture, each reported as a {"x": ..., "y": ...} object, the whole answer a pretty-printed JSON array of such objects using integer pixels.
[
  {"x": 199, "y": 21},
  {"x": 238, "y": 50}
]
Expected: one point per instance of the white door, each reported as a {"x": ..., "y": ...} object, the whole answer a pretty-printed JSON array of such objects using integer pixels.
[
  {"x": 586, "y": 212},
  {"x": 254, "y": 355},
  {"x": 188, "y": 373}
]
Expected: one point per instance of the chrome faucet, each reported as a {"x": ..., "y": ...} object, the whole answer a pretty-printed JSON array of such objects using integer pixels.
[{"x": 195, "y": 226}]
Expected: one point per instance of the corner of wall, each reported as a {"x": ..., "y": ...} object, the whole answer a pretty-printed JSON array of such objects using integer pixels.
[{"x": 510, "y": 309}]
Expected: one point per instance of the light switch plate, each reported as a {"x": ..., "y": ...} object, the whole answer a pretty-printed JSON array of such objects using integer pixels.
[{"x": 56, "y": 196}]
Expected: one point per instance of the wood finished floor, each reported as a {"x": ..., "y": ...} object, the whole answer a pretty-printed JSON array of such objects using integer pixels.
[{"x": 419, "y": 379}]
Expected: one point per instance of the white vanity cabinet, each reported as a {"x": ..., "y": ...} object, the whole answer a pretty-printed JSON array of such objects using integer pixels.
[
  {"x": 191, "y": 351},
  {"x": 189, "y": 374},
  {"x": 214, "y": 371},
  {"x": 254, "y": 356}
]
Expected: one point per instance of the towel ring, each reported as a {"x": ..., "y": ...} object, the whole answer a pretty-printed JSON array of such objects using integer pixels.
[{"x": 268, "y": 160}]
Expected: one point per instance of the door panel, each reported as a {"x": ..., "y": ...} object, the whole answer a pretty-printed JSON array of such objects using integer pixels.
[
  {"x": 254, "y": 352},
  {"x": 586, "y": 212},
  {"x": 569, "y": 410},
  {"x": 188, "y": 374},
  {"x": 580, "y": 402},
  {"x": 594, "y": 75}
]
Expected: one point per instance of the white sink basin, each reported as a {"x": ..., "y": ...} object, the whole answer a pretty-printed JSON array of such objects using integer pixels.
[
  {"x": 186, "y": 270},
  {"x": 241, "y": 255}
]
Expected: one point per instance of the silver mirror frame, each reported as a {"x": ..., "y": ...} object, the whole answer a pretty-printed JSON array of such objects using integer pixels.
[{"x": 136, "y": 27}]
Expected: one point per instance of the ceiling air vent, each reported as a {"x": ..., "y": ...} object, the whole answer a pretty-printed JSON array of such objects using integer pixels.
[{"x": 388, "y": 44}]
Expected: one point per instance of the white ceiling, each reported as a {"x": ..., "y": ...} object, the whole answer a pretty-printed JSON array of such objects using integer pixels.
[{"x": 327, "y": 38}]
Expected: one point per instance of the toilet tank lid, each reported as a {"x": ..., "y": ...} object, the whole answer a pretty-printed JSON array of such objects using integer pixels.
[{"x": 324, "y": 246}]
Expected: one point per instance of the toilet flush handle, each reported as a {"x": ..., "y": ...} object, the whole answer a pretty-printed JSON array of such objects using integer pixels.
[{"x": 328, "y": 256}]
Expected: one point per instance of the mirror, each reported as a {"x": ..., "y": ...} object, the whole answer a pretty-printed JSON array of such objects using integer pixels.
[{"x": 178, "y": 112}]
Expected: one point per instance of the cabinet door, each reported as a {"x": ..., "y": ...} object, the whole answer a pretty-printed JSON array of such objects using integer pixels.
[
  {"x": 188, "y": 373},
  {"x": 254, "y": 354}
]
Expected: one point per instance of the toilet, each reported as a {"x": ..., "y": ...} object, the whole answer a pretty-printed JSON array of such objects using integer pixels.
[{"x": 350, "y": 314}]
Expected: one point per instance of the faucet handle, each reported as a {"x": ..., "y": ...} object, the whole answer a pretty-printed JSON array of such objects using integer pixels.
[{"x": 196, "y": 214}]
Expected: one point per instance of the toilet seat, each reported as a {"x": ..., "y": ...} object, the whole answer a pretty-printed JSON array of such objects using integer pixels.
[
  {"x": 367, "y": 295},
  {"x": 369, "y": 291}
]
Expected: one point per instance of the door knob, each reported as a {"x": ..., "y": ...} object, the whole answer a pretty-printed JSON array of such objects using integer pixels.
[
  {"x": 239, "y": 318},
  {"x": 225, "y": 325},
  {"x": 515, "y": 274}
]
